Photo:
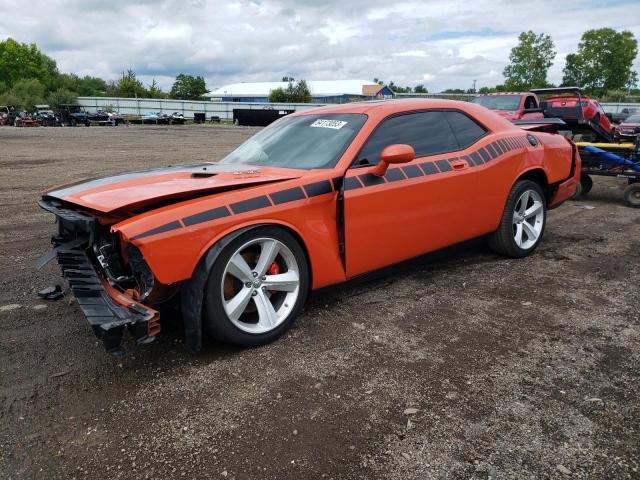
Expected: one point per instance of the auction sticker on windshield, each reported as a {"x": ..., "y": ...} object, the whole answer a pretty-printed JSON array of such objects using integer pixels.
[{"x": 335, "y": 124}]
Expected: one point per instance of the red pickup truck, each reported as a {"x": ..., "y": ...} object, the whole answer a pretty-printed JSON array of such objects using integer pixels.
[{"x": 512, "y": 105}]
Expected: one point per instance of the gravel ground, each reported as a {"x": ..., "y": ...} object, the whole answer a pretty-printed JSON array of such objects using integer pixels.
[{"x": 461, "y": 365}]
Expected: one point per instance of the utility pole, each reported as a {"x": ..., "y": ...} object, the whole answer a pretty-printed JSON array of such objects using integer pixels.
[{"x": 474, "y": 86}]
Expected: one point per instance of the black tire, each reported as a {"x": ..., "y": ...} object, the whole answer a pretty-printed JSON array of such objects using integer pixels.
[
  {"x": 502, "y": 241},
  {"x": 215, "y": 319},
  {"x": 632, "y": 195},
  {"x": 586, "y": 184},
  {"x": 73, "y": 122}
]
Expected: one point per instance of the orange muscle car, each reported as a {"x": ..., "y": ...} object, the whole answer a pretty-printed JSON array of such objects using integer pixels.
[{"x": 318, "y": 197}]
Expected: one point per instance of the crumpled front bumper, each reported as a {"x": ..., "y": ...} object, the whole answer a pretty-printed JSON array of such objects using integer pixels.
[{"x": 108, "y": 311}]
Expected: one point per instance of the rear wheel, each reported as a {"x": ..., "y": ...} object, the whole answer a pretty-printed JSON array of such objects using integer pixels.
[
  {"x": 586, "y": 184},
  {"x": 256, "y": 288},
  {"x": 523, "y": 221},
  {"x": 632, "y": 195}
]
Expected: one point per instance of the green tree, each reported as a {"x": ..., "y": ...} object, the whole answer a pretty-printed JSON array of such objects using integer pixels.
[
  {"x": 129, "y": 86},
  {"x": 60, "y": 96},
  {"x": 603, "y": 62},
  {"x": 188, "y": 87},
  {"x": 154, "y": 90},
  {"x": 420, "y": 89},
  {"x": 298, "y": 93},
  {"x": 25, "y": 94},
  {"x": 20, "y": 61},
  {"x": 529, "y": 62}
]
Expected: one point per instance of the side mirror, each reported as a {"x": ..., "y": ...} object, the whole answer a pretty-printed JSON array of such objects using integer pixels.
[
  {"x": 532, "y": 110},
  {"x": 398, "y": 153}
]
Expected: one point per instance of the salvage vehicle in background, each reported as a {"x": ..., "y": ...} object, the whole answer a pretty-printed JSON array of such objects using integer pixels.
[
  {"x": 317, "y": 198},
  {"x": 25, "y": 119},
  {"x": 584, "y": 115},
  {"x": 45, "y": 116},
  {"x": 512, "y": 105},
  {"x": 622, "y": 115},
  {"x": 628, "y": 130},
  {"x": 72, "y": 115},
  {"x": 7, "y": 114}
]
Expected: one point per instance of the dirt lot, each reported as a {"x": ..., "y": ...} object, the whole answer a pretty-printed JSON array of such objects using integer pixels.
[{"x": 466, "y": 365}]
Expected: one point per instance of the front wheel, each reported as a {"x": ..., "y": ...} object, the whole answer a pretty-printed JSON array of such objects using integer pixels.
[
  {"x": 256, "y": 288},
  {"x": 523, "y": 221}
]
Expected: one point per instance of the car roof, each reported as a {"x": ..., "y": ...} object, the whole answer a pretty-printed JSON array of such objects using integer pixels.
[
  {"x": 379, "y": 109},
  {"x": 386, "y": 107}
]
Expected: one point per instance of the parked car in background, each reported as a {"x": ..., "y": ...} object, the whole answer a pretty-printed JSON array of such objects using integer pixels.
[
  {"x": 621, "y": 116},
  {"x": 73, "y": 115},
  {"x": 158, "y": 118},
  {"x": 511, "y": 105},
  {"x": 629, "y": 129},
  {"x": 45, "y": 116},
  {"x": 176, "y": 118},
  {"x": 25, "y": 119},
  {"x": 318, "y": 197},
  {"x": 102, "y": 117},
  {"x": 7, "y": 114}
]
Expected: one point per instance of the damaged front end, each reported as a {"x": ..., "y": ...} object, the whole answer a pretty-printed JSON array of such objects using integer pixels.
[{"x": 110, "y": 284}]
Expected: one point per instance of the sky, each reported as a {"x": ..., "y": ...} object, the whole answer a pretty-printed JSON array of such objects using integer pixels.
[{"x": 440, "y": 44}]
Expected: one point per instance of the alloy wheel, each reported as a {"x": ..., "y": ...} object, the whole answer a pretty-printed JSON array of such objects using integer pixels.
[
  {"x": 260, "y": 285},
  {"x": 528, "y": 219}
]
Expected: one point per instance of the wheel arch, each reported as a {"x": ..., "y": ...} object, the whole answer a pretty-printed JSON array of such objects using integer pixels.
[
  {"x": 538, "y": 176},
  {"x": 192, "y": 290}
]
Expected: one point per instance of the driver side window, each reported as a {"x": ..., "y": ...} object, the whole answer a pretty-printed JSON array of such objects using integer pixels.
[{"x": 427, "y": 132}]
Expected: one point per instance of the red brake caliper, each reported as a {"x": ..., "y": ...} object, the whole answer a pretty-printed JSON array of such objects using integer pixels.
[{"x": 274, "y": 269}]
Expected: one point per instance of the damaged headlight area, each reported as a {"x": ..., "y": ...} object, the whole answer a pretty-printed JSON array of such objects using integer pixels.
[{"x": 109, "y": 290}]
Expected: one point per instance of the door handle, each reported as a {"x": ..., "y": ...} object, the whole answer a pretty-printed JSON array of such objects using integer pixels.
[{"x": 459, "y": 165}]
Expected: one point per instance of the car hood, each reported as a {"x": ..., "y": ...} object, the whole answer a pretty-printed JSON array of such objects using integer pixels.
[
  {"x": 135, "y": 190},
  {"x": 629, "y": 125}
]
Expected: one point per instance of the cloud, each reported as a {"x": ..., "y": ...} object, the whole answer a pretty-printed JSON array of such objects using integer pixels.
[{"x": 442, "y": 44}]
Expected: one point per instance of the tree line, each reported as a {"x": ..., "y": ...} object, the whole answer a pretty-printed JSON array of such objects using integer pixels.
[{"x": 28, "y": 77}]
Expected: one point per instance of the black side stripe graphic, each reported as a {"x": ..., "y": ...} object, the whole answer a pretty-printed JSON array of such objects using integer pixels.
[
  {"x": 290, "y": 195},
  {"x": 369, "y": 179},
  {"x": 443, "y": 165},
  {"x": 491, "y": 151},
  {"x": 412, "y": 171},
  {"x": 482, "y": 155},
  {"x": 394, "y": 174},
  {"x": 206, "y": 216},
  {"x": 167, "y": 227},
  {"x": 429, "y": 168},
  {"x": 475, "y": 158},
  {"x": 318, "y": 188},
  {"x": 251, "y": 204},
  {"x": 351, "y": 183}
]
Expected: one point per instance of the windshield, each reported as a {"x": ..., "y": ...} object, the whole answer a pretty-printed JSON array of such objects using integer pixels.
[
  {"x": 503, "y": 102},
  {"x": 633, "y": 119},
  {"x": 306, "y": 142}
]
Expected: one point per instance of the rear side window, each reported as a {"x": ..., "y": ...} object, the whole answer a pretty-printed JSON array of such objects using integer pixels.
[
  {"x": 429, "y": 133},
  {"x": 466, "y": 130}
]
